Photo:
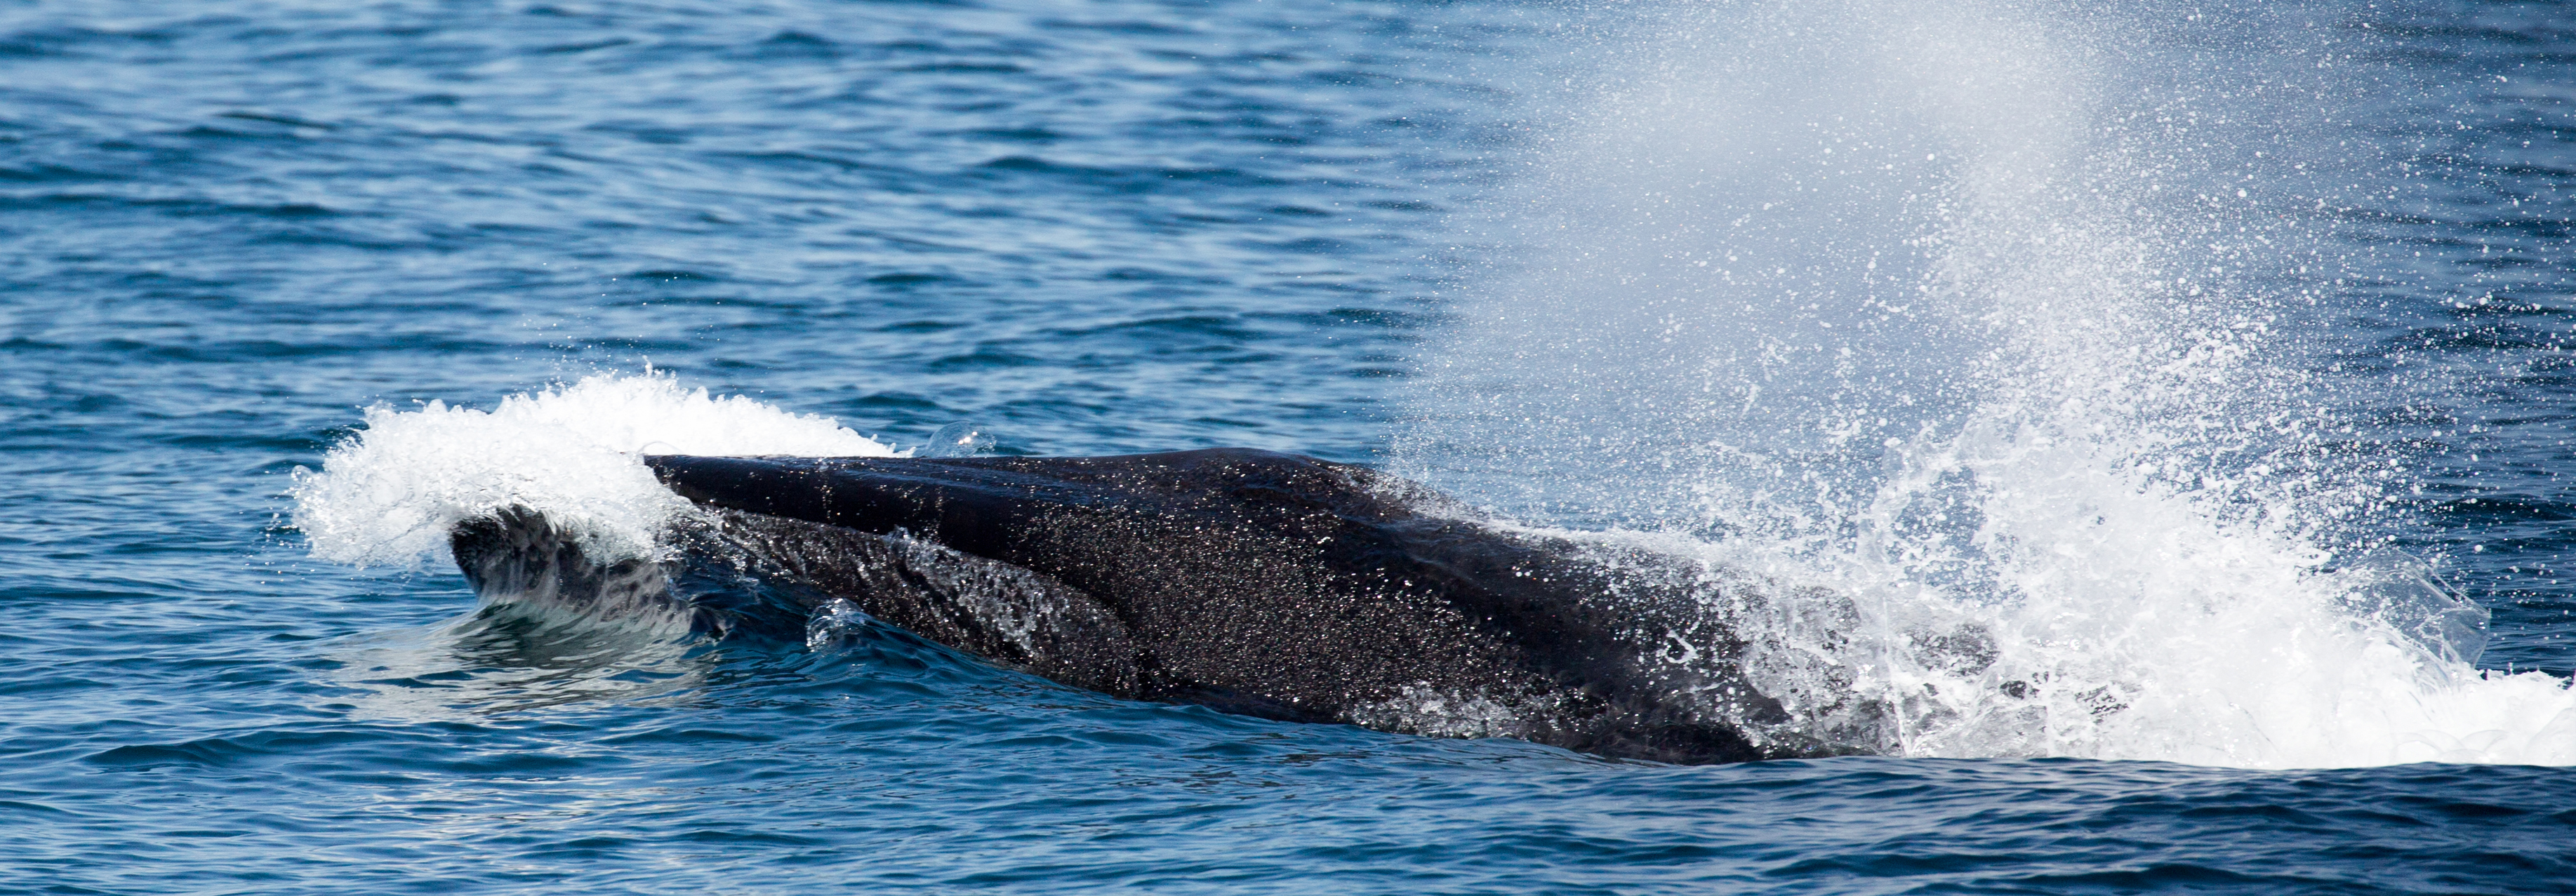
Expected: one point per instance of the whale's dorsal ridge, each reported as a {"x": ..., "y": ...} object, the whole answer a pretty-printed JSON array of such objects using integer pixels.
[{"x": 1255, "y": 581}]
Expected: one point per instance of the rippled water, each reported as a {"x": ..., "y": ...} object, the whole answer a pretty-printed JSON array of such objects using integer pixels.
[{"x": 1097, "y": 227}]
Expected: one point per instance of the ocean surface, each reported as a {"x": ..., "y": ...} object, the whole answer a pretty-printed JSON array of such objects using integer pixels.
[{"x": 2212, "y": 357}]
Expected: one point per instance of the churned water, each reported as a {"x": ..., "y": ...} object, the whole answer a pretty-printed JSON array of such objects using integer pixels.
[{"x": 2211, "y": 357}]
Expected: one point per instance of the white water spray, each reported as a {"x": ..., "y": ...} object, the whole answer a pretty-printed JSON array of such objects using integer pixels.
[
  {"x": 1983, "y": 311},
  {"x": 391, "y": 493}
]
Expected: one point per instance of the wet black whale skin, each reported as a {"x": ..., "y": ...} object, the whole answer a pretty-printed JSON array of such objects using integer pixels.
[{"x": 1262, "y": 583}]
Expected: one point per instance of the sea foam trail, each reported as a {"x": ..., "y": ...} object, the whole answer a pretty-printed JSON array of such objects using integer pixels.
[{"x": 391, "y": 492}]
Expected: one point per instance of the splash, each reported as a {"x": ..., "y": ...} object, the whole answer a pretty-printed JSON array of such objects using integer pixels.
[
  {"x": 391, "y": 493},
  {"x": 2002, "y": 313}
]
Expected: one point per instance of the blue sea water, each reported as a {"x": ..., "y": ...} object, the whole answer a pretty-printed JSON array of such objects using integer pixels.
[{"x": 1121, "y": 225}]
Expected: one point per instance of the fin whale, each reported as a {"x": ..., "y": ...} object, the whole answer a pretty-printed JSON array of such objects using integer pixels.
[{"x": 1253, "y": 582}]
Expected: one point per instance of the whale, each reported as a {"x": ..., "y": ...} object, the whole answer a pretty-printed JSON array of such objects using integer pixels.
[{"x": 1252, "y": 582}]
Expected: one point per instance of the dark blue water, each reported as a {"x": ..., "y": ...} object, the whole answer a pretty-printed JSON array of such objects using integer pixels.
[{"x": 1093, "y": 227}]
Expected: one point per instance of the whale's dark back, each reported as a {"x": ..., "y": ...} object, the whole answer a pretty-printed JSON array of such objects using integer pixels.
[{"x": 1256, "y": 582}]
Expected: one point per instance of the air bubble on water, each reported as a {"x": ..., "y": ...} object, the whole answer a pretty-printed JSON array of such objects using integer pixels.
[
  {"x": 835, "y": 626},
  {"x": 959, "y": 439}
]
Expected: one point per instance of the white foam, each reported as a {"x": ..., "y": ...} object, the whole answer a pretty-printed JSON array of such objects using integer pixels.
[
  {"x": 1986, "y": 313},
  {"x": 2134, "y": 620},
  {"x": 390, "y": 493}
]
